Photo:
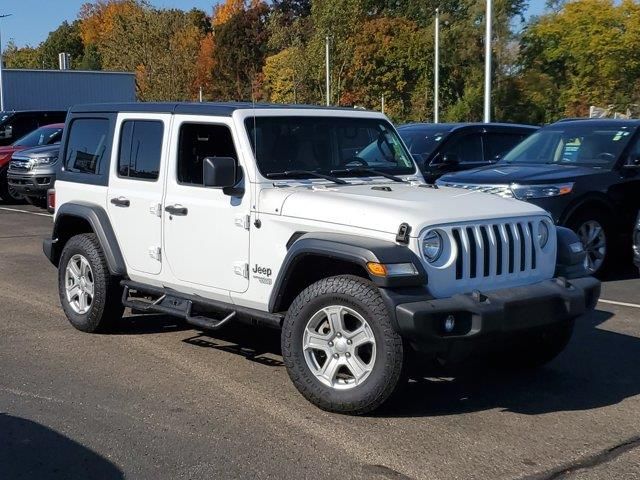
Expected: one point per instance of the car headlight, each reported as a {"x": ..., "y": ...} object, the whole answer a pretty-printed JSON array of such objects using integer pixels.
[
  {"x": 525, "y": 192},
  {"x": 543, "y": 234},
  {"x": 43, "y": 161},
  {"x": 432, "y": 246}
]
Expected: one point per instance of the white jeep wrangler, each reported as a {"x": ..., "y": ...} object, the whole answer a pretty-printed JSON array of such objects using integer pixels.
[{"x": 312, "y": 220}]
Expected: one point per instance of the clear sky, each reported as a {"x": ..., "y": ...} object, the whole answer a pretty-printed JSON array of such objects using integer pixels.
[{"x": 32, "y": 20}]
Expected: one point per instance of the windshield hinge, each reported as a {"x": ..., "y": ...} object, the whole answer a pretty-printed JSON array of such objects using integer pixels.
[{"x": 243, "y": 222}]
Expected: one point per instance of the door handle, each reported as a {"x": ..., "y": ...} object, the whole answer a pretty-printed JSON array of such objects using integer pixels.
[
  {"x": 121, "y": 202},
  {"x": 178, "y": 210}
]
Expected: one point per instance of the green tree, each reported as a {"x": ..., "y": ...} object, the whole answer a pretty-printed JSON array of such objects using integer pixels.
[
  {"x": 64, "y": 39},
  {"x": 24, "y": 57}
]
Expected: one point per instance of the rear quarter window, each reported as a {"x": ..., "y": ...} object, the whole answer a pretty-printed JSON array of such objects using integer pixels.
[{"x": 87, "y": 145}]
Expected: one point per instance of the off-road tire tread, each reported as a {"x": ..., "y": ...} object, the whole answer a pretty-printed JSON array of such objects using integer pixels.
[
  {"x": 107, "y": 305},
  {"x": 366, "y": 293}
]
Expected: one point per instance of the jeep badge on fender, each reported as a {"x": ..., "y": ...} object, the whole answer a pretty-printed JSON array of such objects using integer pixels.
[{"x": 341, "y": 246}]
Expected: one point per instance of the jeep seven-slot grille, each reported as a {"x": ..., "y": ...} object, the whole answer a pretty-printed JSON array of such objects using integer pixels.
[{"x": 494, "y": 250}]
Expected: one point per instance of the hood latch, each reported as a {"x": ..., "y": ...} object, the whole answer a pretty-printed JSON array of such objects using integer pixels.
[{"x": 403, "y": 233}]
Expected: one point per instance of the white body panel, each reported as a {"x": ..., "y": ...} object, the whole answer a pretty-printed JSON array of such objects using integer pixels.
[{"x": 207, "y": 252}]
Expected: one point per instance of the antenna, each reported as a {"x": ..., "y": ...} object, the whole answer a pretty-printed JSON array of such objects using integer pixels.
[{"x": 257, "y": 222}]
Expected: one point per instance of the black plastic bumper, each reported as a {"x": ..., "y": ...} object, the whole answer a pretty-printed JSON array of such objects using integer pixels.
[
  {"x": 30, "y": 184},
  {"x": 497, "y": 313}
]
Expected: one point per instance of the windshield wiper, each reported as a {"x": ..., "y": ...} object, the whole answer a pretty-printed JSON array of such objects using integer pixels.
[
  {"x": 311, "y": 173},
  {"x": 368, "y": 170}
]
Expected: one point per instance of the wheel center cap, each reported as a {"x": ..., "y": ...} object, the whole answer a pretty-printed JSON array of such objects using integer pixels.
[{"x": 341, "y": 345}]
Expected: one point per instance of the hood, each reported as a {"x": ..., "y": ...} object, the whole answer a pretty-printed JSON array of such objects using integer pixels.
[
  {"x": 6, "y": 152},
  {"x": 503, "y": 173},
  {"x": 384, "y": 207},
  {"x": 42, "y": 151}
]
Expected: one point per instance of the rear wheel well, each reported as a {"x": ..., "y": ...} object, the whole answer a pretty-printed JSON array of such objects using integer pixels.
[
  {"x": 592, "y": 205},
  {"x": 310, "y": 269},
  {"x": 69, "y": 226}
]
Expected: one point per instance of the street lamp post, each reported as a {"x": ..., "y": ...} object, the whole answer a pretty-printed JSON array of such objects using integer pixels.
[
  {"x": 1, "y": 68},
  {"x": 487, "y": 63},
  {"x": 327, "y": 71},
  {"x": 436, "y": 68}
]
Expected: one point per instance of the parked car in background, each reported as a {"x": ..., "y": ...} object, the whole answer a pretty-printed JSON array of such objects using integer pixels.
[
  {"x": 32, "y": 172},
  {"x": 46, "y": 135},
  {"x": 586, "y": 173},
  {"x": 441, "y": 148},
  {"x": 636, "y": 243},
  {"x": 16, "y": 124}
]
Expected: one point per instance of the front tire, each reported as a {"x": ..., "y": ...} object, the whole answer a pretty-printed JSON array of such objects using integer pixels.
[
  {"x": 8, "y": 193},
  {"x": 89, "y": 294},
  {"x": 595, "y": 233},
  {"x": 339, "y": 346}
]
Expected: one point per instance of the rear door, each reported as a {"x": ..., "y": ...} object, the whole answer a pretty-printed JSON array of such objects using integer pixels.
[
  {"x": 461, "y": 151},
  {"x": 136, "y": 188}
]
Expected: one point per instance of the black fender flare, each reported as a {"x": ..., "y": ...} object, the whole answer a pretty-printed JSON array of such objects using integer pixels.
[
  {"x": 100, "y": 224},
  {"x": 350, "y": 248}
]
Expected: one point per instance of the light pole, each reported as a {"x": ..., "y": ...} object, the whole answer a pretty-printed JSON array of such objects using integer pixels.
[
  {"x": 1, "y": 68},
  {"x": 327, "y": 71},
  {"x": 436, "y": 68},
  {"x": 487, "y": 63}
]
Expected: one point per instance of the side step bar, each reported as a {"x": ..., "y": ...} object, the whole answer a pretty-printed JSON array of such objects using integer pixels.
[{"x": 181, "y": 305}]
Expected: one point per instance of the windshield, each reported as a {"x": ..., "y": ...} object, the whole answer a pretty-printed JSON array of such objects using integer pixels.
[
  {"x": 41, "y": 136},
  {"x": 583, "y": 145},
  {"x": 423, "y": 141},
  {"x": 326, "y": 145}
]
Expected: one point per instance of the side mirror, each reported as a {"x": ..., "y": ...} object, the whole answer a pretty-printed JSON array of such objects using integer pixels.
[{"x": 219, "y": 172}]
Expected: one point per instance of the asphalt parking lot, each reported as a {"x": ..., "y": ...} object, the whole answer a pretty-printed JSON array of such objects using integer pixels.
[{"x": 158, "y": 399}]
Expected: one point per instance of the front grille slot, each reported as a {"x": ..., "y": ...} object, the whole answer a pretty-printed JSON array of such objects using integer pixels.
[{"x": 494, "y": 250}]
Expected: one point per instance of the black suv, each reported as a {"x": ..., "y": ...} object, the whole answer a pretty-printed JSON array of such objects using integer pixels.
[
  {"x": 441, "y": 148},
  {"x": 586, "y": 173},
  {"x": 14, "y": 125}
]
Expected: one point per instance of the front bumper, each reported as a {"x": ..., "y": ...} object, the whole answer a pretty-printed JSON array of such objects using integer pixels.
[
  {"x": 496, "y": 314},
  {"x": 33, "y": 184}
]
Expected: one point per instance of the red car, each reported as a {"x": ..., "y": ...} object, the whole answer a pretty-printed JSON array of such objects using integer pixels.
[{"x": 47, "y": 135}]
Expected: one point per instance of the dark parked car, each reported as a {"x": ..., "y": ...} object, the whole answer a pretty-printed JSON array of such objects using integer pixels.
[
  {"x": 636, "y": 243},
  {"x": 14, "y": 125},
  {"x": 441, "y": 148},
  {"x": 586, "y": 173}
]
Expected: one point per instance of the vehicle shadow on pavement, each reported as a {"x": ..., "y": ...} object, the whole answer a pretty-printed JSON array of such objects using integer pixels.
[
  {"x": 598, "y": 368},
  {"x": 148, "y": 324},
  {"x": 29, "y": 450}
]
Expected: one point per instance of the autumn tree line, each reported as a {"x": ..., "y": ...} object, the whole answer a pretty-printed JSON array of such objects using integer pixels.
[{"x": 579, "y": 53}]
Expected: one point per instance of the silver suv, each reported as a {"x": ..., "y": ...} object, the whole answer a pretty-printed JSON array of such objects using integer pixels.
[{"x": 32, "y": 172}]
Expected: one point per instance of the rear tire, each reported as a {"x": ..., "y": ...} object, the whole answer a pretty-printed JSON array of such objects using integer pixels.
[
  {"x": 534, "y": 349},
  {"x": 358, "y": 362},
  {"x": 37, "y": 201},
  {"x": 89, "y": 294}
]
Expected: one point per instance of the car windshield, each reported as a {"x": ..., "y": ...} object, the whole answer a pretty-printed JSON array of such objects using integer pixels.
[
  {"x": 424, "y": 140},
  {"x": 41, "y": 136},
  {"x": 584, "y": 145},
  {"x": 326, "y": 145}
]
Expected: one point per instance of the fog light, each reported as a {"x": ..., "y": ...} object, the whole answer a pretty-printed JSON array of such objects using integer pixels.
[{"x": 449, "y": 324}]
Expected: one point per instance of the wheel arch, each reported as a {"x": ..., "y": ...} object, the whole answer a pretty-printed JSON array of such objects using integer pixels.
[
  {"x": 78, "y": 218},
  {"x": 313, "y": 256},
  {"x": 592, "y": 201}
]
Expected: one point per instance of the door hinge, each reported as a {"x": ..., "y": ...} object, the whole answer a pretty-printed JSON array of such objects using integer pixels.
[
  {"x": 155, "y": 253},
  {"x": 241, "y": 269},
  {"x": 156, "y": 209},
  {"x": 243, "y": 222}
]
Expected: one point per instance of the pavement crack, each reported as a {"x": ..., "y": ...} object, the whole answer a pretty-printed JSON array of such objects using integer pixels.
[
  {"x": 384, "y": 472},
  {"x": 588, "y": 462}
]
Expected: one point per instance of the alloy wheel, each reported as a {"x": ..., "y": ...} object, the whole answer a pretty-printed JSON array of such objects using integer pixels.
[
  {"x": 79, "y": 284},
  {"x": 339, "y": 347},
  {"x": 594, "y": 241}
]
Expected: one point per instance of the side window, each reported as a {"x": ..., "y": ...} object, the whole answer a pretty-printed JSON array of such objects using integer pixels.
[
  {"x": 140, "y": 149},
  {"x": 466, "y": 148},
  {"x": 22, "y": 125},
  {"x": 496, "y": 145},
  {"x": 197, "y": 142},
  {"x": 86, "y": 145}
]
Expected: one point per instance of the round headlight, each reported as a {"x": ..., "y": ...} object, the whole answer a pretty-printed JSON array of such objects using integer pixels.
[
  {"x": 543, "y": 234},
  {"x": 432, "y": 246}
]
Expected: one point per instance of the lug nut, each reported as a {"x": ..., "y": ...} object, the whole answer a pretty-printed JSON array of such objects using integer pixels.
[
  {"x": 331, "y": 344},
  {"x": 338, "y": 335},
  {"x": 347, "y": 354},
  {"x": 349, "y": 342},
  {"x": 335, "y": 355}
]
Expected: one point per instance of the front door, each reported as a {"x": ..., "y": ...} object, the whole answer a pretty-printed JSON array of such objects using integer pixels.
[
  {"x": 206, "y": 230},
  {"x": 136, "y": 188}
]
